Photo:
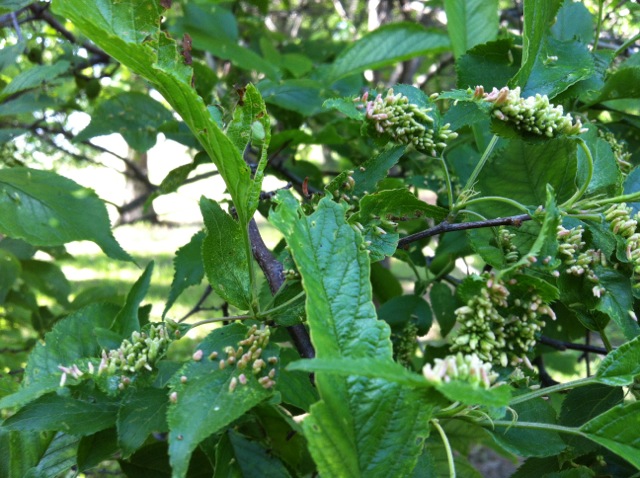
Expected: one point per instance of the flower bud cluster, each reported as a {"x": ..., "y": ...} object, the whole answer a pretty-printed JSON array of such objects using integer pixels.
[
  {"x": 579, "y": 262},
  {"x": 533, "y": 115},
  {"x": 499, "y": 330},
  {"x": 505, "y": 240},
  {"x": 465, "y": 368},
  {"x": 142, "y": 351},
  {"x": 621, "y": 223},
  {"x": 404, "y": 343},
  {"x": 406, "y": 122},
  {"x": 619, "y": 151}
]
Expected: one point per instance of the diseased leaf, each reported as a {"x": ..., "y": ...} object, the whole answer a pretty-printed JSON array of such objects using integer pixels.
[
  {"x": 19, "y": 451},
  {"x": 189, "y": 421},
  {"x": 46, "y": 209},
  {"x": 359, "y": 421},
  {"x": 471, "y": 22},
  {"x": 188, "y": 267},
  {"x": 387, "y": 45},
  {"x": 617, "y": 430},
  {"x": 153, "y": 55},
  {"x": 224, "y": 256}
]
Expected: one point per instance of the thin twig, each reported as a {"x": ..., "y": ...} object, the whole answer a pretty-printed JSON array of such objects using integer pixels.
[
  {"x": 560, "y": 345},
  {"x": 273, "y": 271},
  {"x": 198, "y": 307},
  {"x": 462, "y": 226}
]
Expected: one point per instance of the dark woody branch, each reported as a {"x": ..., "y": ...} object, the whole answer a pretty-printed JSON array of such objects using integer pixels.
[
  {"x": 462, "y": 226},
  {"x": 274, "y": 273}
]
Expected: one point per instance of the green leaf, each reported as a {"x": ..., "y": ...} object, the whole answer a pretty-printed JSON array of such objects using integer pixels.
[
  {"x": 444, "y": 304},
  {"x": 10, "y": 53},
  {"x": 622, "y": 84},
  {"x": 545, "y": 244},
  {"x": 617, "y": 430},
  {"x": 558, "y": 66},
  {"x": 491, "y": 65},
  {"x": 154, "y": 56},
  {"x": 389, "y": 44},
  {"x": 96, "y": 448},
  {"x": 384, "y": 283},
  {"x": 295, "y": 387},
  {"x": 474, "y": 395},
  {"x": 214, "y": 28},
  {"x": 127, "y": 320},
  {"x": 574, "y": 22},
  {"x": 375, "y": 169},
  {"x": 251, "y": 119},
  {"x": 143, "y": 411},
  {"x": 48, "y": 278},
  {"x": 618, "y": 300},
  {"x": 45, "y": 209},
  {"x": 521, "y": 171},
  {"x": 527, "y": 442},
  {"x": 19, "y": 451},
  {"x": 359, "y": 423},
  {"x": 398, "y": 203},
  {"x": 346, "y": 106},
  {"x": 29, "y": 102},
  {"x": 224, "y": 256},
  {"x": 538, "y": 17},
  {"x": 9, "y": 272},
  {"x": 607, "y": 178},
  {"x": 56, "y": 413},
  {"x": 471, "y": 22},
  {"x": 188, "y": 267},
  {"x": 620, "y": 366},
  {"x": 136, "y": 116},
  {"x": 71, "y": 339},
  {"x": 302, "y": 96},
  {"x": 189, "y": 421},
  {"x": 399, "y": 311},
  {"x": 584, "y": 403},
  {"x": 59, "y": 458},
  {"x": 34, "y": 77},
  {"x": 255, "y": 460},
  {"x": 363, "y": 367}
]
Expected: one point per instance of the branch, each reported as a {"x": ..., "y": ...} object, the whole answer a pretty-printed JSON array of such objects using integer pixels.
[
  {"x": 273, "y": 272},
  {"x": 560, "y": 345},
  {"x": 44, "y": 14},
  {"x": 198, "y": 307},
  {"x": 444, "y": 226}
]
